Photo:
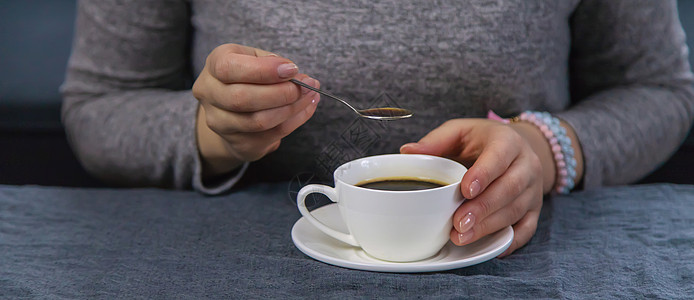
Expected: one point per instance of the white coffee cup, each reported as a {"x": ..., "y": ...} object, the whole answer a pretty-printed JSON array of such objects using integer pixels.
[{"x": 396, "y": 226}]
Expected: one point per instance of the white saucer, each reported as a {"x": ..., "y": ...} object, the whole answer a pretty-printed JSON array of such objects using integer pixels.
[{"x": 322, "y": 247}]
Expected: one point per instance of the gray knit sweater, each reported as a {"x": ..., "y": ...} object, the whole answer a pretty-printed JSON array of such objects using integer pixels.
[{"x": 615, "y": 70}]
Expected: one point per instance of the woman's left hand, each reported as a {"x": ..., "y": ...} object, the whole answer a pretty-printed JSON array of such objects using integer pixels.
[{"x": 510, "y": 168}]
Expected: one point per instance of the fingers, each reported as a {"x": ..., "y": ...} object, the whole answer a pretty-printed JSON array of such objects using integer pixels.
[
  {"x": 504, "y": 190},
  {"x": 492, "y": 152},
  {"x": 232, "y": 63},
  {"x": 503, "y": 184},
  {"x": 495, "y": 159},
  {"x": 247, "y": 144},
  {"x": 248, "y": 101},
  {"x": 251, "y": 135},
  {"x": 243, "y": 97},
  {"x": 523, "y": 231},
  {"x": 499, "y": 219},
  {"x": 513, "y": 198},
  {"x": 226, "y": 122},
  {"x": 446, "y": 140}
]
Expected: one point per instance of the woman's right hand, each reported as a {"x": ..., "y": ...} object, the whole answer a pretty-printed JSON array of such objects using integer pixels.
[{"x": 247, "y": 105}]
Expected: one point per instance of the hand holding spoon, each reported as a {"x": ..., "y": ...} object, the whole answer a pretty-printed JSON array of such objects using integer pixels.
[{"x": 377, "y": 113}]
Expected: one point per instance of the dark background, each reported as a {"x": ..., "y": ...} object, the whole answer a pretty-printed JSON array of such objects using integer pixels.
[{"x": 35, "y": 38}]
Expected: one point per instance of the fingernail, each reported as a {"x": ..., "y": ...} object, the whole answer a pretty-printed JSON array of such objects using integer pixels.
[
  {"x": 474, "y": 188},
  {"x": 409, "y": 145},
  {"x": 464, "y": 237},
  {"x": 287, "y": 70},
  {"x": 466, "y": 223},
  {"x": 502, "y": 255},
  {"x": 310, "y": 81}
]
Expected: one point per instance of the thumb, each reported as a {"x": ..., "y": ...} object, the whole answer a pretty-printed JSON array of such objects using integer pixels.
[
  {"x": 232, "y": 63},
  {"x": 417, "y": 148},
  {"x": 447, "y": 140}
]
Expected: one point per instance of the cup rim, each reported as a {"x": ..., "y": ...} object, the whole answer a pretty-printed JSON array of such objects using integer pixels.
[{"x": 336, "y": 178}]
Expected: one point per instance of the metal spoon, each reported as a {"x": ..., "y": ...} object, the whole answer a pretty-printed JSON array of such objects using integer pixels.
[{"x": 377, "y": 113}]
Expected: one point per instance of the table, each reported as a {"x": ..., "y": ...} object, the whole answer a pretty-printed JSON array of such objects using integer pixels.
[{"x": 621, "y": 242}]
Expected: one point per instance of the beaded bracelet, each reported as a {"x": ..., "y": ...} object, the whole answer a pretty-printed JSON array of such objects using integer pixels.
[{"x": 559, "y": 142}]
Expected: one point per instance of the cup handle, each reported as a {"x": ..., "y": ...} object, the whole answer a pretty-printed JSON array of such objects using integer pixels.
[{"x": 332, "y": 195}]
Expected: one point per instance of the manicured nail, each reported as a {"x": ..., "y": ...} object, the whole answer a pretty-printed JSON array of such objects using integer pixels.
[
  {"x": 464, "y": 237},
  {"x": 502, "y": 255},
  {"x": 408, "y": 145},
  {"x": 310, "y": 81},
  {"x": 474, "y": 188},
  {"x": 466, "y": 223},
  {"x": 287, "y": 70}
]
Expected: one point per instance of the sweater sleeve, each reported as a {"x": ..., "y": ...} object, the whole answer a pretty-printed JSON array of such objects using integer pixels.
[
  {"x": 631, "y": 87},
  {"x": 128, "y": 109}
]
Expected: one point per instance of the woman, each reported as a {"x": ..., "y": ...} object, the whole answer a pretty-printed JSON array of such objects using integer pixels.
[{"x": 613, "y": 76}]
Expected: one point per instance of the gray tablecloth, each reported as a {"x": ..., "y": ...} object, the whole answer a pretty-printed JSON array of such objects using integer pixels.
[{"x": 625, "y": 242}]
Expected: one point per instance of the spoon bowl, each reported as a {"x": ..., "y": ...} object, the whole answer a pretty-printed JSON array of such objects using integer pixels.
[{"x": 376, "y": 113}]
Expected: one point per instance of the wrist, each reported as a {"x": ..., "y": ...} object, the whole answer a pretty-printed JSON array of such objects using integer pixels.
[
  {"x": 565, "y": 149},
  {"x": 539, "y": 144},
  {"x": 549, "y": 132},
  {"x": 215, "y": 158},
  {"x": 578, "y": 151}
]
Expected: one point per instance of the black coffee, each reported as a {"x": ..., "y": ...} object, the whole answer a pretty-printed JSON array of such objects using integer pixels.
[
  {"x": 386, "y": 112},
  {"x": 401, "y": 184}
]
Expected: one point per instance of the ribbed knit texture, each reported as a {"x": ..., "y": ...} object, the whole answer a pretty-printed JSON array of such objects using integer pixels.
[{"x": 616, "y": 70}]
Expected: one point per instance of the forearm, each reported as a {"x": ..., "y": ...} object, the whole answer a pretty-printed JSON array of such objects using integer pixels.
[
  {"x": 627, "y": 132},
  {"x": 631, "y": 87},
  {"x": 134, "y": 138},
  {"x": 128, "y": 109}
]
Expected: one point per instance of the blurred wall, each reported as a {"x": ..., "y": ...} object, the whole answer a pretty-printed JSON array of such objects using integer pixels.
[{"x": 35, "y": 39}]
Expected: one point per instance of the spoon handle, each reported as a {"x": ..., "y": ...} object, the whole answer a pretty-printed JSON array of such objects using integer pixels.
[{"x": 324, "y": 93}]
